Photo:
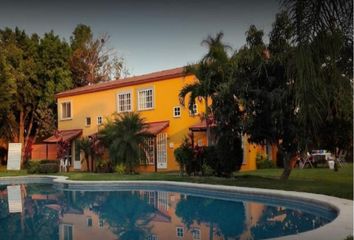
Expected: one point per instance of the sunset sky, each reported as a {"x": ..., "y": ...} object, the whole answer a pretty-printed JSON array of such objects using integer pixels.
[{"x": 151, "y": 35}]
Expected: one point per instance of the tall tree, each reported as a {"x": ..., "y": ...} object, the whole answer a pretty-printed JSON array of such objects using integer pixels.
[
  {"x": 210, "y": 71},
  {"x": 22, "y": 56},
  {"x": 322, "y": 70},
  {"x": 92, "y": 61},
  {"x": 7, "y": 91},
  {"x": 265, "y": 89},
  {"x": 39, "y": 68}
]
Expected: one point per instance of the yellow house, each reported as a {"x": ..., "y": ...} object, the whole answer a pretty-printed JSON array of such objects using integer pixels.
[{"x": 83, "y": 111}]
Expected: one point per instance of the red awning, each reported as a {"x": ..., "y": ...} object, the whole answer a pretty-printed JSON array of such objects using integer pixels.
[
  {"x": 155, "y": 128},
  {"x": 64, "y": 135},
  {"x": 201, "y": 126}
]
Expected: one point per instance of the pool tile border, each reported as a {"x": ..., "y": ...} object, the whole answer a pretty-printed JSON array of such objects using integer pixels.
[{"x": 340, "y": 228}]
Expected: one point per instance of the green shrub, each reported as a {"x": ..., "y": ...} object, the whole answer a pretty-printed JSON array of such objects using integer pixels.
[
  {"x": 207, "y": 170},
  {"x": 263, "y": 162},
  {"x": 103, "y": 166},
  {"x": 44, "y": 161},
  {"x": 229, "y": 154},
  {"x": 120, "y": 168},
  {"x": 52, "y": 167},
  {"x": 32, "y": 167},
  {"x": 184, "y": 155}
]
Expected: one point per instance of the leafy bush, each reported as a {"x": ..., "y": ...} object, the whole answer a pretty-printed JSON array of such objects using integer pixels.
[
  {"x": 262, "y": 162},
  {"x": 103, "y": 166},
  {"x": 44, "y": 161},
  {"x": 184, "y": 155},
  {"x": 207, "y": 170},
  {"x": 42, "y": 166},
  {"x": 210, "y": 159},
  {"x": 120, "y": 168},
  {"x": 32, "y": 167},
  {"x": 229, "y": 154},
  {"x": 48, "y": 167}
]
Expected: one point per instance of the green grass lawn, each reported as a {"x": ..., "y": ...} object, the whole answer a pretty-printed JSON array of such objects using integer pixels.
[{"x": 318, "y": 180}]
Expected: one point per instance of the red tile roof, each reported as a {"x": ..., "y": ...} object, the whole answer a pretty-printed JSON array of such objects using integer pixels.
[
  {"x": 155, "y": 128},
  {"x": 201, "y": 126},
  {"x": 64, "y": 135},
  {"x": 151, "y": 77}
]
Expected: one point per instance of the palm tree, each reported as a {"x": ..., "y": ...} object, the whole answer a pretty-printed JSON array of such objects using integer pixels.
[
  {"x": 211, "y": 70},
  {"x": 125, "y": 138}
]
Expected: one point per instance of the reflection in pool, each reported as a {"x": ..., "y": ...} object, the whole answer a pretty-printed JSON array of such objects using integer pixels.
[{"x": 40, "y": 211}]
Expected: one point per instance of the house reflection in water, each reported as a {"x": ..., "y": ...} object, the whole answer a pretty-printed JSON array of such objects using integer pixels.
[
  {"x": 47, "y": 213},
  {"x": 162, "y": 222}
]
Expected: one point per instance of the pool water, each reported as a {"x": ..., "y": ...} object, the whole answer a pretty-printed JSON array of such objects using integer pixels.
[{"x": 44, "y": 211}]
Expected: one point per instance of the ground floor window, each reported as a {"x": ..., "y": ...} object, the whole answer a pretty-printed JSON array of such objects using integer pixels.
[
  {"x": 161, "y": 150},
  {"x": 150, "y": 151}
]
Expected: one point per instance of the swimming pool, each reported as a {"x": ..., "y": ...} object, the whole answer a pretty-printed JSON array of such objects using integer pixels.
[{"x": 41, "y": 209}]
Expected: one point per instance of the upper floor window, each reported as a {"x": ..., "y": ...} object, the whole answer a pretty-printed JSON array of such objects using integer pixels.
[
  {"x": 124, "y": 102},
  {"x": 145, "y": 99},
  {"x": 99, "y": 120},
  {"x": 66, "y": 110},
  {"x": 176, "y": 111},
  {"x": 88, "y": 121},
  {"x": 194, "y": 110}
]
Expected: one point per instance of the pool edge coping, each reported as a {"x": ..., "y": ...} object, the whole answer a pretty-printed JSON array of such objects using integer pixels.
[{"x": 340, "y": 228}]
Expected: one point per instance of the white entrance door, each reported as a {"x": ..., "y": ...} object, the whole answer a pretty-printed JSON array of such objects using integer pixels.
[
  {"x": 161, "y": 144},
  {"x": 76, "y": 156}
]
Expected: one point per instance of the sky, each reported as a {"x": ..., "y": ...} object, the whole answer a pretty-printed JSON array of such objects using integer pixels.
[{"x": 151, "y": 35}]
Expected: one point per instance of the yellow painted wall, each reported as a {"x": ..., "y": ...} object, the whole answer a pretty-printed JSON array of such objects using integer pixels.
[{"x": 104, "y": 103}]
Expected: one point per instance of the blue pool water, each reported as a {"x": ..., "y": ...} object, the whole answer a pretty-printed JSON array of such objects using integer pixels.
[{"x": 46, "y": 211}]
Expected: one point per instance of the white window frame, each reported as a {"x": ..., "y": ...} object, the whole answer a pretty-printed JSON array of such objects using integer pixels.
[
  {"x": 195, "y": 110},
  {"x": 141, "y": 106},
  {"x": 86, "y": 124},
  {"x": 150, "y": 152},
  {"x": 152, "y": 237},
  {"x": 118, "y": 101},
  {"x": 100, "y": 223},
  {"x": 99, "y": 120},
  {"x": 62, "y": 110},
  {"x": 161, "y": 150},
  {"x": 174, "y": 111},
  {"x": 177, "y": 233},
  {"x": 196, "y": 236},
  {"x": 67, "y": 226},
  {"x": 88, "y": 219}
]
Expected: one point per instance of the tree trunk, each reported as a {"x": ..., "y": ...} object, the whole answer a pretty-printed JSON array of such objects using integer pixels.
[
  {"x": 211, "y": 231},
  {"x": 87, "y": 162},
  {"x": 26, "y": 139},
  {"x": 207, "y": 121},
  {"x": 21, "y": 134},
  {"x": 21, "y": 127},
  {"x": 287, "y": 167},
  {"x": 92, "y": 162}
]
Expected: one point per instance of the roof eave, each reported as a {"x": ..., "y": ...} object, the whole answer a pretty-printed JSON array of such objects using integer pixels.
[{"x": 121, "y": 84}]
